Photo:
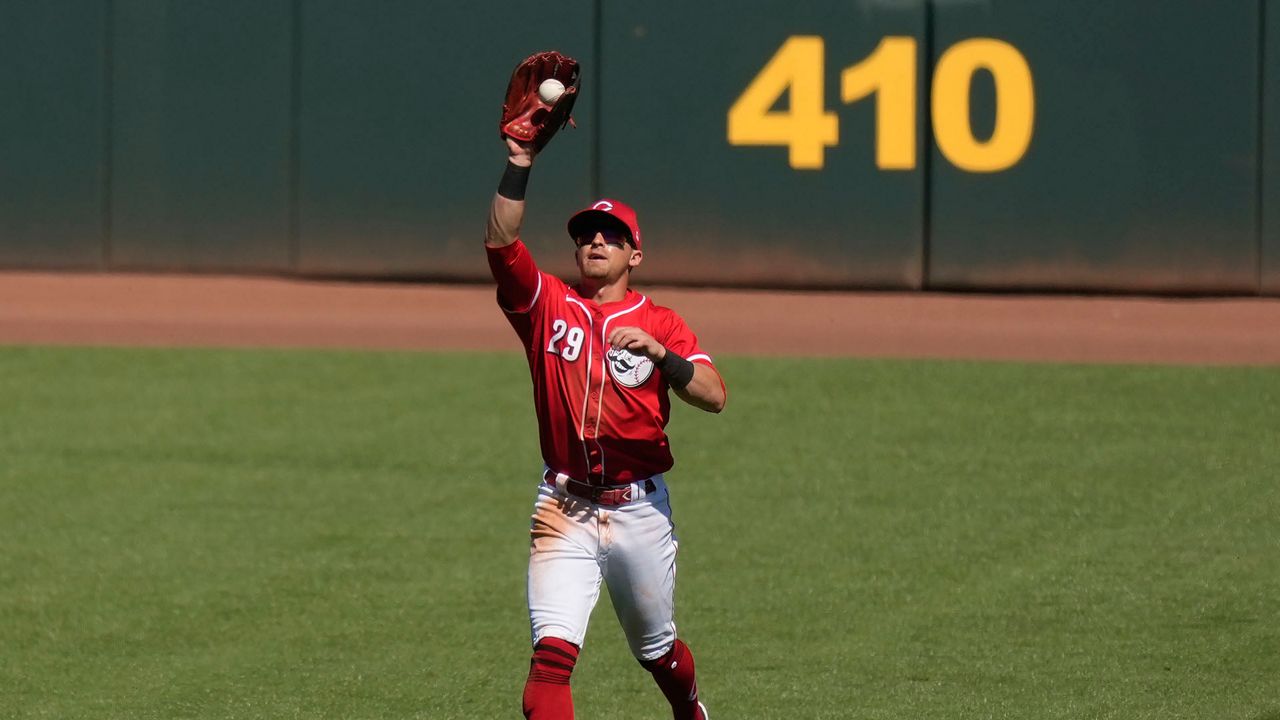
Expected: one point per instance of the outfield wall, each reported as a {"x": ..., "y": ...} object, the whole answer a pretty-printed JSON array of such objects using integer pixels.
[{"x": 907, "y": 144}]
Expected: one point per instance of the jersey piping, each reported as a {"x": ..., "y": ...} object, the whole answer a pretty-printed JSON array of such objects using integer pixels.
[
  {"x": 604, "y": 373},
  {"x": 582, "y": 423}
]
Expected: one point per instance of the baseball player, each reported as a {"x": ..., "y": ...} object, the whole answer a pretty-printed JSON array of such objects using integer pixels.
[{"x": 602, "y": 357}]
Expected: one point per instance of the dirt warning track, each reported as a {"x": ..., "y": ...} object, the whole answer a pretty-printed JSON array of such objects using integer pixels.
[{"x": 186, "y": 310}]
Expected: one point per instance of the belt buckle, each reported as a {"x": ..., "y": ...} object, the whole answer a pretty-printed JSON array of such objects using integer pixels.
[{"x": 611, "y": 496}]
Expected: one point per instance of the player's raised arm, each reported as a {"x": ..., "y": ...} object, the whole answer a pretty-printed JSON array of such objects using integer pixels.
[
  {"x": 539, "y": 100},
  {"x": 507, "y": 210}
]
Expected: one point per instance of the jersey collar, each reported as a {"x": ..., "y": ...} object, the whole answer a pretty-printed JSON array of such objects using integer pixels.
[{"x": 631, "y": 298}]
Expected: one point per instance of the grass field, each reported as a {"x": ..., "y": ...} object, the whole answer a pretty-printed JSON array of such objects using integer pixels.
[{"x": 253, "y": 534}]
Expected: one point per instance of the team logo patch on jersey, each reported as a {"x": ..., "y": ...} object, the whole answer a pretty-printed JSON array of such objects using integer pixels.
[{"x": 629, "y": 370}]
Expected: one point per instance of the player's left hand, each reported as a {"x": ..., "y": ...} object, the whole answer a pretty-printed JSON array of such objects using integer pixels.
[
  {"x": 525, "y": 115},
  {"x": 638, "y": 342}
]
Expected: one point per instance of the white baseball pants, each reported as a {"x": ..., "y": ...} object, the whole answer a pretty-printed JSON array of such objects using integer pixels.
[{"x": 576, "y": 544}]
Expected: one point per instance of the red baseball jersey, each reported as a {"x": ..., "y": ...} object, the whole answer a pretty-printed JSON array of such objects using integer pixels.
[{"x": 601, "y": 412}]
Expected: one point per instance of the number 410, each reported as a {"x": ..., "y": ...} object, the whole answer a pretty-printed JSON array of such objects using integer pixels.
[{"x": 807, "y": 128}]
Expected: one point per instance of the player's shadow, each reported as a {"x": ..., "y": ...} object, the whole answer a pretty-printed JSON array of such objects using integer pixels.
[{"x": 579, "y": 511}]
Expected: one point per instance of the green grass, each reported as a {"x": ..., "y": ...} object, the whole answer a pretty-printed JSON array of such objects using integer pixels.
[{"x": 237, "y": 534}]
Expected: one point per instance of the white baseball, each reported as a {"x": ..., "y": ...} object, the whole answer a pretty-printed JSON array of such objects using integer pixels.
[{"x": 550, "y": 90}]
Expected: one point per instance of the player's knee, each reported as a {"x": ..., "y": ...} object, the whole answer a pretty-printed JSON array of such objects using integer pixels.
[
  {"x": 658, "y": 662},
  {"x": 675, "y": 658},
  {"x": 653, "y": 645},
  {"x": 553, "y": 660},
  {"x": 546, "y": 693}
]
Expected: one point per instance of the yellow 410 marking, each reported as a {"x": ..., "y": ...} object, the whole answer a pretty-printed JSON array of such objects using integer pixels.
[{"x": 806, "y": 128}]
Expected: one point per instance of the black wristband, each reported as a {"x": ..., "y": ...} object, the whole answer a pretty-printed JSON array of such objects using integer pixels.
[
  {"x": 677, "y": 370},
  {"x": 514, "y": 180}
]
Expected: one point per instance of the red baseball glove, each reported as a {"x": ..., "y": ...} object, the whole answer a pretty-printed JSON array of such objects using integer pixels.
[{"x": 526, "y": 117}]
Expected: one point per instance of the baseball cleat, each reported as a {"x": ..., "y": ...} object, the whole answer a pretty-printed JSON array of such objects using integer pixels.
[{"x": 703, "y": 710}]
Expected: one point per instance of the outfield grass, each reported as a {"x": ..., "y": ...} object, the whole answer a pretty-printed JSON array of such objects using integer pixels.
[{"x": 236, "y": 534}]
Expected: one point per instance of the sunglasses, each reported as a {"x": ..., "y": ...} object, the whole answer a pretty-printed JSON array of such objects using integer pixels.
[{"x": 616, "y": 237}]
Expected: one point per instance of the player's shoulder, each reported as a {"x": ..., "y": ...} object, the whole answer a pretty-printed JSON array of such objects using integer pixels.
[
  {"x": 661, "y": 316},
  {"x": 556, "y": 284},
  {"x": 657, "y": 309}
]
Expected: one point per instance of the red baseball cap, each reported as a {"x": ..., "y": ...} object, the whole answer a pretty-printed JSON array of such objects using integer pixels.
[{"x": 607, "y": 211}]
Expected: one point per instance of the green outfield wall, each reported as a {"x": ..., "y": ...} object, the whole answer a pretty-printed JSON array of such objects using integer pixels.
[
  {"x": 671, "y": 73},
  {"x": 201, "y": 135},
  {"x": 906, "y": 144},
  {"x": 1142, "y": 172},
  {"x": 398, "y": 143},
  {"x": 54, "y": 129},
  {"x": 1269, "y": 184}
]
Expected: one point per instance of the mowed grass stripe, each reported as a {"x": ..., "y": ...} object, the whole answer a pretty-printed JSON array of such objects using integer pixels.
[{"x": 242, "y": 534}]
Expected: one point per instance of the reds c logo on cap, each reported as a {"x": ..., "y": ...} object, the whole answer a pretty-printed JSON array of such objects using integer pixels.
[{"x": 609, "y": 210}]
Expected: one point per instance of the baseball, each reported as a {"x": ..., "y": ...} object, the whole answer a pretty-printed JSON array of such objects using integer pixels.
[{"x": 550, "y": 90}]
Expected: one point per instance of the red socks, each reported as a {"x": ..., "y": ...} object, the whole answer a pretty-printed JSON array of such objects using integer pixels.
[
  {"x": 547, "y": 695},
  {"x": 674, "y": 674},
  {"x": 546, "y": 692}
]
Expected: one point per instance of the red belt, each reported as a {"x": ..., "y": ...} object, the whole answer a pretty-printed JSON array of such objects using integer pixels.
[{"x": 612, "y": 495}]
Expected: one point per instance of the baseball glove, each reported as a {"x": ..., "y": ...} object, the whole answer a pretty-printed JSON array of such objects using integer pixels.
[{"x": 525, "y": 116}]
